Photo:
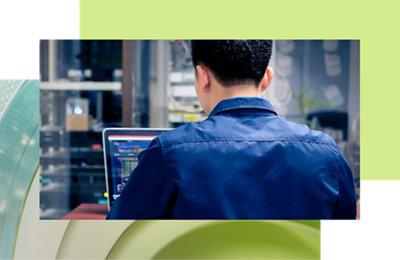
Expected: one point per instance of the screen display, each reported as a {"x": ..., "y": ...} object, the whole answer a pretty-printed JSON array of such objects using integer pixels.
[{"x": 124, "y": 151}]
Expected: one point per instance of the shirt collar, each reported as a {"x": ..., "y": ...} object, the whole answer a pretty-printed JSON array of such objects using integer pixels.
[{"x": 243, "y": 102}]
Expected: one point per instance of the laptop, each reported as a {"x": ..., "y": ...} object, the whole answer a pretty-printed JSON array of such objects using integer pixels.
[{"x": 121, "y": 147}]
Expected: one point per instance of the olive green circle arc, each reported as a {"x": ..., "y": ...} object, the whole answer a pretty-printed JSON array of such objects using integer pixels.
[
  {"x": 180, "y": 239},
  {"x": 243, "y": 239}
]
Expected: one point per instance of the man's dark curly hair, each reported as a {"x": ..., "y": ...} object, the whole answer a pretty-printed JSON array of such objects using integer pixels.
[{"x": 233, "y": 62}]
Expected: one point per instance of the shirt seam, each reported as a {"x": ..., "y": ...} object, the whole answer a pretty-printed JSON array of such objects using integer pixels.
[
  {"x": 163, "y": 157},
  {"x": 337, "y": 156},
  {"x": 169, "y": 181},
  {"x": 243, "y": 107},
  {"x": 244, "y": 113},
  {"x": 164, "y": 161},
  {"x": 259, "y": 141}
]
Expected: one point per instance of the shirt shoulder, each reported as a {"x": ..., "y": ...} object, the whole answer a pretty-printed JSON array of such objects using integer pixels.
[
  {"x": 226, "y": 127},
  {"x": 185, "y": 133},
  {"x": 304, "y": 132}
]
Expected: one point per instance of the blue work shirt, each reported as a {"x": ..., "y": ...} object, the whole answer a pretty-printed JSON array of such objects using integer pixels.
[{"x": 242, "y": 162}]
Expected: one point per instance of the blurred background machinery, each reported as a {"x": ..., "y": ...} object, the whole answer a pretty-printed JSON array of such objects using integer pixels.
[{"x": 87, "y": 85}]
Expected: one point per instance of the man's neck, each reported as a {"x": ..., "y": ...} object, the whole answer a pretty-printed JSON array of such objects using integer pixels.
[{"x": 222, "y": 93}]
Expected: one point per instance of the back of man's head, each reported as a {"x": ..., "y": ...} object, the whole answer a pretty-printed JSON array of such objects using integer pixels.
[{"x": 233, "y": 62}]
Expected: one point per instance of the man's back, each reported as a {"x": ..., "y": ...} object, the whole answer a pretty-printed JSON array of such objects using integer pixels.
[{"x": 243, "y": 162}]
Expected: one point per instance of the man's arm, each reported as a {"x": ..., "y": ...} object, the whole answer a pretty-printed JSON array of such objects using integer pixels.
[
  {"x": 147, "y": 192},
  {"x": 346, "y": 207}
]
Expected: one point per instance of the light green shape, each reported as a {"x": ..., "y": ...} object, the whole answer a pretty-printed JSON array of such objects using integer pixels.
[
  {"x": 375, "y": 23},
  {"x": 90, "y": 239},
  {"x": 228, "y": 239},
  {"x": 19, "y": 155},
  {"x": 37, "y": 239}
]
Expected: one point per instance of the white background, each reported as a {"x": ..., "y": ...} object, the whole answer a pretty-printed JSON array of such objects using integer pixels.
[
  {"x": 376, "y": 235},
  {"x": 23, "y": 23}
]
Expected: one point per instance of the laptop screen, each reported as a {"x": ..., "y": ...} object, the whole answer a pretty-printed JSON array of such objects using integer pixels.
[{"x": 121, "y": 149}]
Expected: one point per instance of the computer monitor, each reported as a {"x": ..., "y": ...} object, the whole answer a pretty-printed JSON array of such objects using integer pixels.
[{"x": 121, "y": 149}]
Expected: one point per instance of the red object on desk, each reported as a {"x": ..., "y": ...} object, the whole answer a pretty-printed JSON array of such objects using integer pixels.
[{"x": 88, "y": 211}]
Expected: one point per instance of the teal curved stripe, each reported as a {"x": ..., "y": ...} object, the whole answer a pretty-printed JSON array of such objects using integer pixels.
[
  {"x": 23, "y": 207},
  {"x": 19, "y": 154}
]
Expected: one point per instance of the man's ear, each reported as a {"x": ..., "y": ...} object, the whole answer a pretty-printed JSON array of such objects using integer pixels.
[
  {"x": 203, "y": 74},
  {"x": 269, "y": 73}
]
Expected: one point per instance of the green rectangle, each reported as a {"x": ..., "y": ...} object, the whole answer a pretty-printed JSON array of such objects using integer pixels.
[{"x": 375, "y": 23}]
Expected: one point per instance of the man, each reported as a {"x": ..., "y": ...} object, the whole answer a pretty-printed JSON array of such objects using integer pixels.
[{"x": 243, "y": 161}]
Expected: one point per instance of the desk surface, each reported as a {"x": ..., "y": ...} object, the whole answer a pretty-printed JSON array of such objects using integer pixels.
[{"x": 88, "y": 211}]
